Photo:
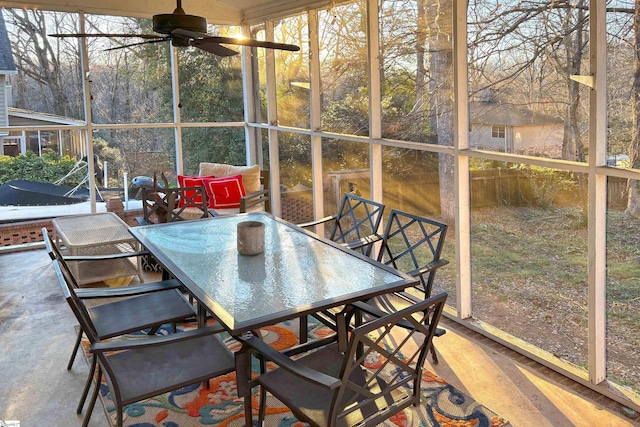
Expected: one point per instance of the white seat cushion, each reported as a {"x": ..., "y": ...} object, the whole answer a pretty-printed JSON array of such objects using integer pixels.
[
  {"x": 255, "y": 208},
  {"x": 250, "y": 174},
  {"x": 190, "y": 213}
]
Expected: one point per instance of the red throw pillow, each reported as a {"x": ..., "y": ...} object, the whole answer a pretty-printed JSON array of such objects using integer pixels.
[
  {"x": 225, "y": 192},
  {"x": 191, "y": 181}
]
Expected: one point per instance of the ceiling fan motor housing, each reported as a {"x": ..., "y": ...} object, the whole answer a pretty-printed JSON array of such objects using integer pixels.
[{"x": 166, "y": 23}]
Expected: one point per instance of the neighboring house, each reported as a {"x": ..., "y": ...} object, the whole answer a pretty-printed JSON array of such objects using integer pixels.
[
  {"x": 13, "y": 143},
  {"x": 499, "y": 126},
  {"x": 63, "y": 142},
  {"x": 7, "y": 66}
]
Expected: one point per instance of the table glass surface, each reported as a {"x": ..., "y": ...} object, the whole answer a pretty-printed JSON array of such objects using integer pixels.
[{"x": 296, "y": 270}]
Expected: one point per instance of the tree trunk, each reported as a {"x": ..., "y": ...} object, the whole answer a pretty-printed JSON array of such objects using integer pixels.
[
  {"x": 571, "y": 143},
  {"x": 421, "y": 71},
  {"x": 633, "y": 205},
  {"x": 572, "y": 148},
  {"x": 440, "y": 18}
]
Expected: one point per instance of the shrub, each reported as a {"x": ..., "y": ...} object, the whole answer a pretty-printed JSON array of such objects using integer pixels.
[
  {"x": 546, "y": 183},
  {"x": 48, "y": 168}
]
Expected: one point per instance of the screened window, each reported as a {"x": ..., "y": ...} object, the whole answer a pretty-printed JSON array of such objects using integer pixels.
[{"x": 498, "y": 132}]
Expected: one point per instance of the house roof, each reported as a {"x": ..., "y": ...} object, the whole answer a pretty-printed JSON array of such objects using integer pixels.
[
  {"x": 42, "y": 117},
  {"x": 7, "y": 66},
  {"x": 498, "y": 113}
]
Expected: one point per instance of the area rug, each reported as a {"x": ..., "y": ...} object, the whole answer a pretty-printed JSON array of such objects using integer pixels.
[{"x": 219, "y": 405}]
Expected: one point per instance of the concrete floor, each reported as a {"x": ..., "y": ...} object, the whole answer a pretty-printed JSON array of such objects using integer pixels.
[{"x": 37, "y": 335}]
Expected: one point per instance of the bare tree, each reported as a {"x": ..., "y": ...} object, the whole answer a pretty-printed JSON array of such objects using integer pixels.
[
  {"x": 439, "y": 38},
  {"x": 633, "y": 206},
  {"x": 49, "y": 74}
]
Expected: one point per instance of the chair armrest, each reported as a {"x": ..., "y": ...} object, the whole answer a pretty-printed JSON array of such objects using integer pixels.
[
  {"x": 432, "y": 266},
  {"x": 317, "y": 221},
  {"x": 255, "y": 195},
  {"x": 368, "y": 308},
  {"x": 103, "y": 347},
  {"x": 93, "y": 293},
  {"x": 255, "y": 198},
  {"x": 297, "y": 369},
  {"x": 106, "y": 257},
  {"x": 362, "y": 242},
  {"x": 376, "y": 312}
]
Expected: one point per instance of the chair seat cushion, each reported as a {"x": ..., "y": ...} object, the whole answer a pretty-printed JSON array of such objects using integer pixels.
[
  {"x": 189, "y": 213},
  {"x": 254, "y": 208},
  {"x": 250, "y": 174}
]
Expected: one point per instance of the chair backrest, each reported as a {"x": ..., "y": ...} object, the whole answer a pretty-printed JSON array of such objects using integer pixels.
[
  {"x": 54, "y": 253},
  {"x": 357, "y": 218},
  {"x": 392, "y": 362},
  {"x": 68, "y": 285},
  {"x": 410, "y": 243},
  {"x": 173, "y": 204}
]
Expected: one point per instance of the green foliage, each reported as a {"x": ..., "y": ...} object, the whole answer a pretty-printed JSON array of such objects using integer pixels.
[
  {"x": 48, "y": 168},
  {"x": 295, "y": 159},
  {"x": 218, "y": 145},
  {"x": 546, "y": 183},
  {"x": 112, "y": 156}
]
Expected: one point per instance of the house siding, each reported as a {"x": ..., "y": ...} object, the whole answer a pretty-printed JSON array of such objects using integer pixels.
[
  {"x": 4, "y": 112},
  {"x": 536, "y": 139}
]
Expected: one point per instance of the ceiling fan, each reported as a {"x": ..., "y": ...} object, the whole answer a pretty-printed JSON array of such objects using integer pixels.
[{"x": 188, "y": 30}]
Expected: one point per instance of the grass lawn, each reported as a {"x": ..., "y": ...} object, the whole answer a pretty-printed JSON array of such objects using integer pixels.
[{"x": 529, "y": 278}]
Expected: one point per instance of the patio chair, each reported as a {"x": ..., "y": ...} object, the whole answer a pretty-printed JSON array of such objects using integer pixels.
[
  {"x": 256, "y": 183},
  {"x": 160, "y": 205},
  {"x": 356, "y": 223},
  {"x": 141, "y": 368},
  {"x": 412, "y": 244},
  {"x": 379, "y": 375},
  {"x": 355, "y": 226},
  {"x": 118, "y": 311}
]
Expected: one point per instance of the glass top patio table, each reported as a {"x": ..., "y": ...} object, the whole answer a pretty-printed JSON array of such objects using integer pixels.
[{"x": 298, "y": 273}]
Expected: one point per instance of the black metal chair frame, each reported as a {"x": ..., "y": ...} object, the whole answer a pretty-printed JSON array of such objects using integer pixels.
[
  {"x": 350, "y": 227},
  {"x": 330, "y": 388},
  {"x": 128, "y": 309},
  {"x": 131, "y": 366},
  {"x": 430, "y": 231},
  {"x": 427, "y": 235},
  {"x": 353, "y": 230}
]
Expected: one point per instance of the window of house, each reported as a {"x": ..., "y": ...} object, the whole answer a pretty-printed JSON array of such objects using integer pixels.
[{"x": 498, "y": 132}]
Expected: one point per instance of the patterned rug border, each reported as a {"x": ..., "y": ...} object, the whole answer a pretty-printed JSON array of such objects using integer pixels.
[{"x": 441, "y": 404}]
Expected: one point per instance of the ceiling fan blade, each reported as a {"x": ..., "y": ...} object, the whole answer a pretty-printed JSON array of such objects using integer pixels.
[
  {"x": 212, "y": 47},
  {"x": 253, "y": 43},
  {"x": 189, "y": 33},
  {"x": 235, "y": 41},
  {"x": 139, "y": 36},
  {"x": 166, "y": 39}
]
